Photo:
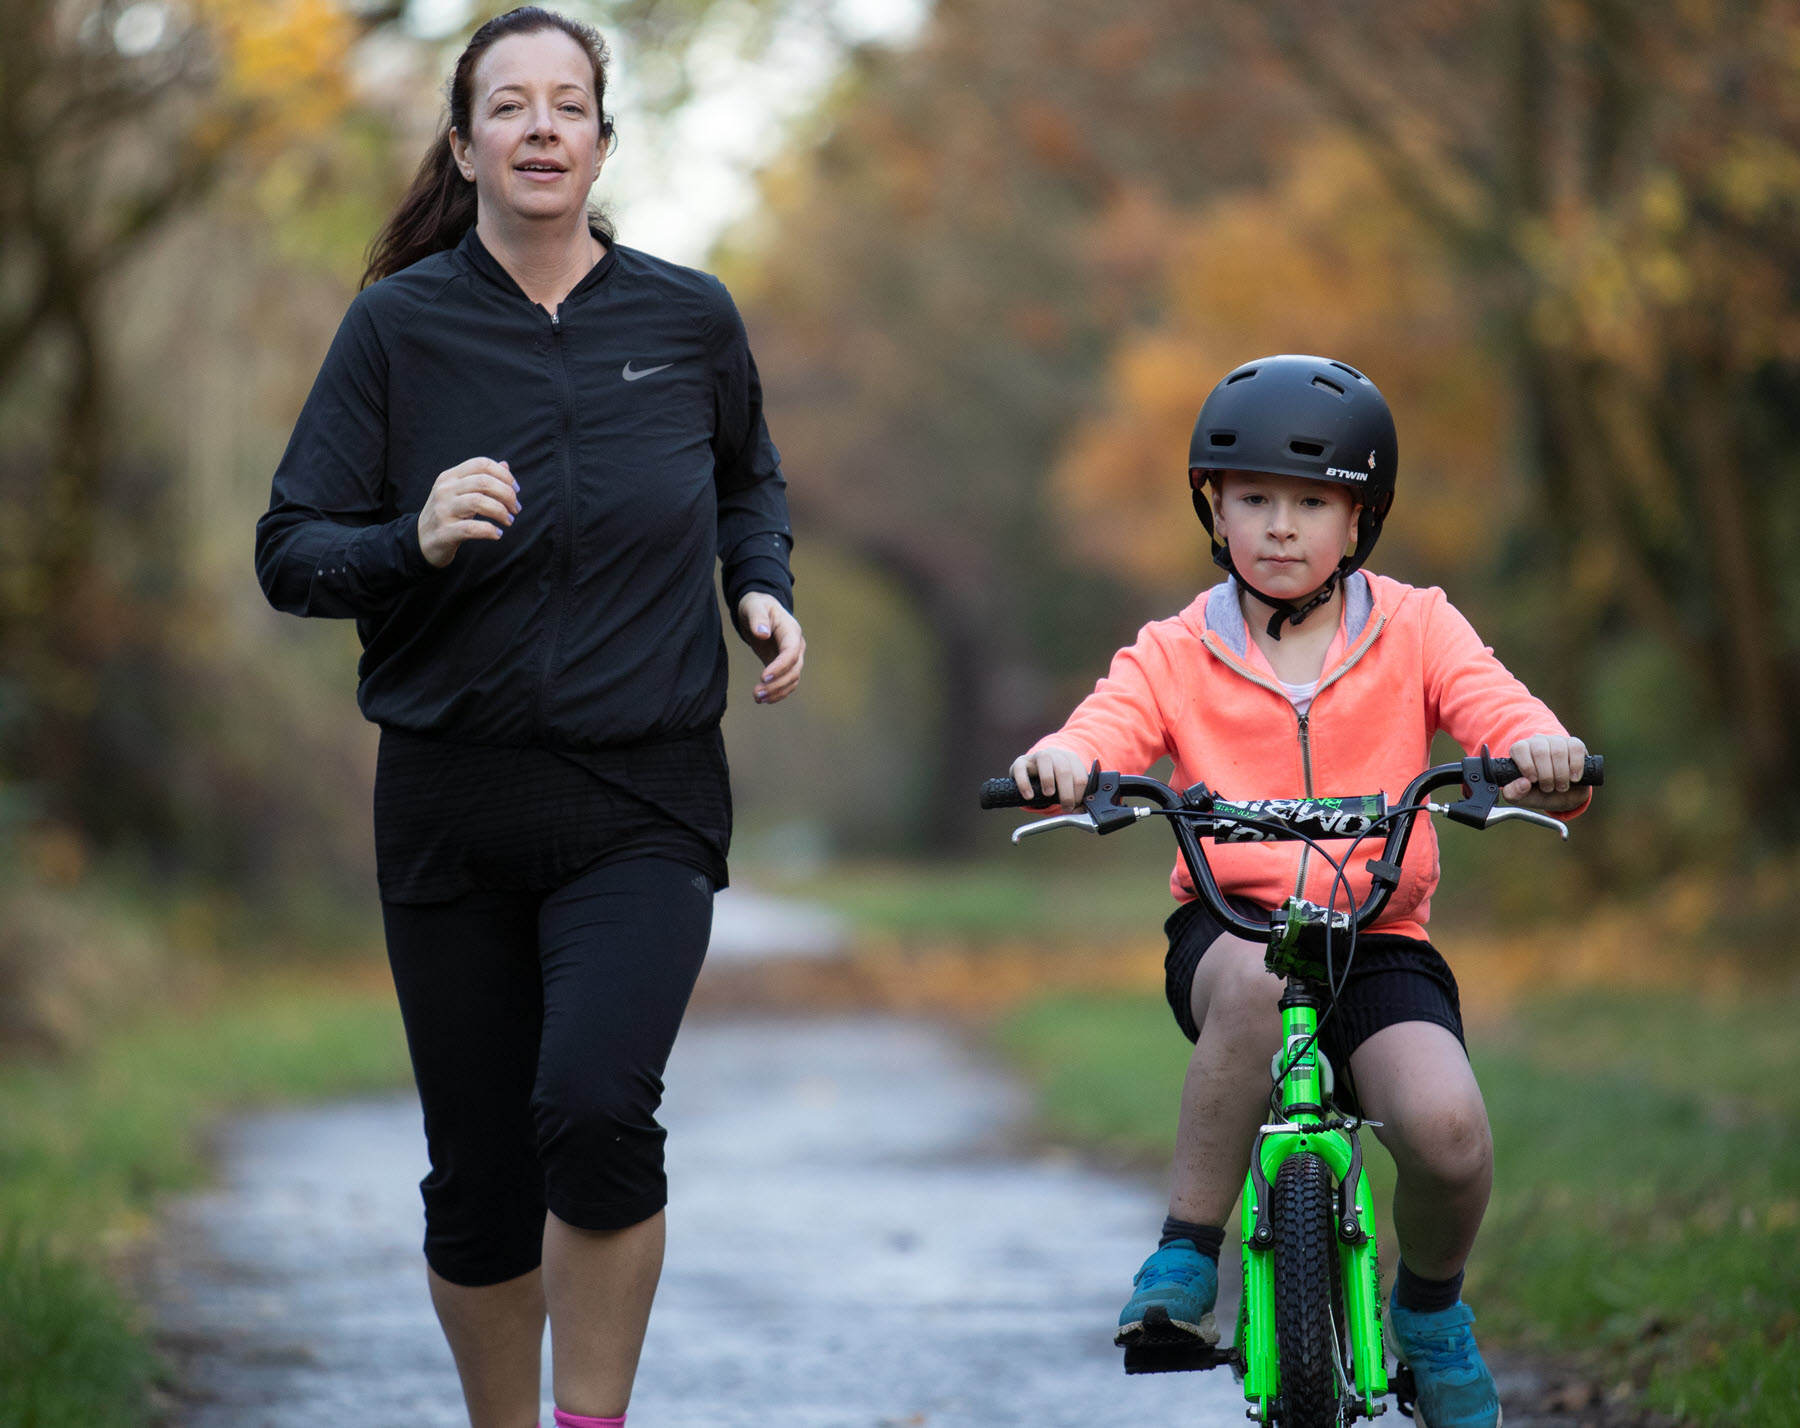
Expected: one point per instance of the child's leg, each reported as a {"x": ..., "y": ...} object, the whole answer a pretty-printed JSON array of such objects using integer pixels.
[
  {"x": 1414, "y": 1076},
  {"x": 1223, "y": 998},
  {"x": 1225, "y": 1097}
]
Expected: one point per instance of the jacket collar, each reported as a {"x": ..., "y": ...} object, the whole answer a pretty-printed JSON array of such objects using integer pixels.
[
  {"x": 1225, "y": 612},
  {"x": 475, "y": 254}
]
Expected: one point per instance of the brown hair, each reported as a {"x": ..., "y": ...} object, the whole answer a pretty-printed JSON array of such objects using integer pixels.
[{"x": 440, "y": 206}]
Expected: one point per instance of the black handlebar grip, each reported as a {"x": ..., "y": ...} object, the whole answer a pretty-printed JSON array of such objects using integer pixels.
[
  {"x": 1593, "y": 771},
  {"x": 1004, "y": 793},
  {"x": 1001, "y": 793}
]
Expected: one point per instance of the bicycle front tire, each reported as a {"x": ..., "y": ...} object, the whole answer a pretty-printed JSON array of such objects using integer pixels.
[{"x": 1309, "y": 1323}]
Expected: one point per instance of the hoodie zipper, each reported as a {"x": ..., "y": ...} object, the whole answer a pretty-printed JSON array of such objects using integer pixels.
[
  {"x": 564, "y": 538},
  {"x": 1361, "y": 649},
  {"x": 1306, "y": 783},
  {"x": 1363, "y": 644}
]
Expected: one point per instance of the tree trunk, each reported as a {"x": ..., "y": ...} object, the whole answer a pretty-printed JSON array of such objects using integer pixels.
[
  {"x": 1752, "y": 690},
  {"x": 989, "y": 709}
]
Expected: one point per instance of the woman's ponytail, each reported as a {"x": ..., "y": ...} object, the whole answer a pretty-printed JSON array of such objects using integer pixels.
[{"x": 439, "y": 207}]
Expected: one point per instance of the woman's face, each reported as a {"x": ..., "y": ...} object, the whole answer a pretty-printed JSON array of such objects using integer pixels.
[{"x": 534, "y": 146}]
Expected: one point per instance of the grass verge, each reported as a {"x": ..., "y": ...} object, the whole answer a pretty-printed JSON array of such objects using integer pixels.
[
  {"x": 1646, "y": 1213},
  {"x": 87, "y": 1146}
]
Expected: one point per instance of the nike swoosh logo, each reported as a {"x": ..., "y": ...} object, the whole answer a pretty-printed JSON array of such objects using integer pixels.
[{"x": 631, "y": 376}]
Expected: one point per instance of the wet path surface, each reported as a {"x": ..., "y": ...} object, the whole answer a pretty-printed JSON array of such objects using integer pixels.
[{"x": 854, "y": 1240}]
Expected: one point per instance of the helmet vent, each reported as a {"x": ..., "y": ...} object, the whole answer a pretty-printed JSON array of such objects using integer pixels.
[
  {"x": 1328, "y": 385},
  {"x": 1306, "y": 448},
  {"x": 1248, "y": 372},
  {"x": 1222, "y": 438},
  {"x": 1342, "y": 366}
]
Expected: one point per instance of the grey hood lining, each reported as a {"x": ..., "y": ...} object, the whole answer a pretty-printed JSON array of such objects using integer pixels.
[{"x": 1225, "y": 612}]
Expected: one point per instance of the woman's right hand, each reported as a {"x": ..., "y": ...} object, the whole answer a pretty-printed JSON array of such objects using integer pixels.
[
  {"x": 1058, "y": 771},
  {"x": 474, "y": 501}
]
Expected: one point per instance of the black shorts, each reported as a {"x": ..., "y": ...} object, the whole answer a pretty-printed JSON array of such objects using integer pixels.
[{"x": 1392, "y": 979}]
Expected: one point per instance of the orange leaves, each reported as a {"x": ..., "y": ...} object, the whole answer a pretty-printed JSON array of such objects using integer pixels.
[
  {"x": 285, "y": 64},
  {"x": 1122, "y": 483},
  {"x": 1050, "y": 134}
]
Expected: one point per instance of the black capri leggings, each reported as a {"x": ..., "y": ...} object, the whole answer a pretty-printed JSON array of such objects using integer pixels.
[{"x": 539, "y": 1026}]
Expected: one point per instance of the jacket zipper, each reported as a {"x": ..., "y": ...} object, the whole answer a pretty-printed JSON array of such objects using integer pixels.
[
  {"x": 1306, "y": 783},
  {"x": 1305, "y": 743},
  {"x": 564, "y": 539},
  {"x": 1364, "y": 642},
  {"x": 1363, "y": 647}
]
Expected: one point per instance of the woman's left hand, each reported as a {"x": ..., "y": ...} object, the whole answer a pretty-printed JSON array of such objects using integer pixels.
[{"x": 775, "y": 636}]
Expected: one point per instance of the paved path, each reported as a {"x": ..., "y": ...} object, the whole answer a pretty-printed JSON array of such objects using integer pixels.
[{"x": 853, "y": 1244}]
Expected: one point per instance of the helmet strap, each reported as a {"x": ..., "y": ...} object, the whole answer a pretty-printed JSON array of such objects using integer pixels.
[{"x": 1285, "y": 612}]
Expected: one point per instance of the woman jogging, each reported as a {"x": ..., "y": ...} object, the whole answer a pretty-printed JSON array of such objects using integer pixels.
[{"x": 521, "y": 458}]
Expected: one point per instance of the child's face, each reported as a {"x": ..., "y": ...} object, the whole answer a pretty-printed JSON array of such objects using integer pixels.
[{"x": 1286, "y": 533}]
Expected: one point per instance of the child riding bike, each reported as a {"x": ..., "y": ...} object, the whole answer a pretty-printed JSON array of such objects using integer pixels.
[{"x": 1301, "y": 672}]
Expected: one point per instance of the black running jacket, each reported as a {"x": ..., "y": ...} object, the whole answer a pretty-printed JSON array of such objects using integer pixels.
[{"x": 632, "y": 421}]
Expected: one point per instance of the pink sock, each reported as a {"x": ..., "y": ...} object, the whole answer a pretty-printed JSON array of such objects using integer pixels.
[{"x": 575, "y": 1420}]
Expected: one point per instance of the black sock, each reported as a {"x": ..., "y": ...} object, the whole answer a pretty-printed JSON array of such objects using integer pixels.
[
  {"x": 1208, "y": 1239},
  {"x": 1425, "y": 1296}
]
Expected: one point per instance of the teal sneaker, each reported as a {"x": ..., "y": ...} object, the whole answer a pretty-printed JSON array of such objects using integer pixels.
[
  {"x": 1176, "y": 1291},
  {"x": 1453, "y": 1387}
]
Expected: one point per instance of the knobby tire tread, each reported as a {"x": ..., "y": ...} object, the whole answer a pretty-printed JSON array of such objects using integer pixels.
[{"x": 1306, "y": 1291}]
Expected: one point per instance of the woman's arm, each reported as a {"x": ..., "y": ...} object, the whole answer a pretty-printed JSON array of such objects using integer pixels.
[
  {"x": 754, "y": 534},
  {"x": 327, "y": 545}
]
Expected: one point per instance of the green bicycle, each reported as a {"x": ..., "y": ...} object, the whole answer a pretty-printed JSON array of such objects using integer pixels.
[{"x": 1308, "y": 1347}]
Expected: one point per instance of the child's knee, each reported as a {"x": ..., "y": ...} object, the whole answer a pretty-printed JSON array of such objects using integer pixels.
[
  {"x": 1451, "y": 1143},
  {"x": 1241, "y": 994}
]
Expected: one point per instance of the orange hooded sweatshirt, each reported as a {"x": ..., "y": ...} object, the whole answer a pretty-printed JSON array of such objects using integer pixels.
[{"x": 1404, "y": 665}]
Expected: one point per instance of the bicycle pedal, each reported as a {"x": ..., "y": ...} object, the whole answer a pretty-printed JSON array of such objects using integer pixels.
[
  {"x": 1158, "y": 1346},
  {"x": 1406, "y": 1389},
  {"x": 1192, "y": 1356}
]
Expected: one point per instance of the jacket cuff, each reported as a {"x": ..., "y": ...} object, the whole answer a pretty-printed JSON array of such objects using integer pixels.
[
  {"x": 759, "y": 572},
  {"x": 383, "y": 562},
  {"x": 411, "y": 554}
]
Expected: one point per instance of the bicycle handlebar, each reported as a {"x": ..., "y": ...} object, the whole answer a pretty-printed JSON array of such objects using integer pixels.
[
  {"x": 1199, "y": 813},
  {"x": 1004, "y": 792}
]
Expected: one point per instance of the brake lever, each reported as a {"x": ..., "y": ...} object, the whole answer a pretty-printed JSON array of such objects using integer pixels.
[
  {"x": 1065, "y": 820},
  {"x": 1530, "y": 815},
  {"x": 1117, "y": 817}
]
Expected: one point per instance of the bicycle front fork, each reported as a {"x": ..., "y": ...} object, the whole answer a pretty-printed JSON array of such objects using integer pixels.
[{"x": 1352, "y": 1231}]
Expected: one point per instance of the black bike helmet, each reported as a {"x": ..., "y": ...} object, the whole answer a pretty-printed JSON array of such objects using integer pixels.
[{"x": 1298, "y": 416}]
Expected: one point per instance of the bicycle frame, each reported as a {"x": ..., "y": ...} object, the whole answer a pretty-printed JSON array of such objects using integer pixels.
[{"x": 1307, "y": 1126}]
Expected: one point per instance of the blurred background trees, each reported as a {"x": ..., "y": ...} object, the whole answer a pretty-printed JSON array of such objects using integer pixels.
[
  {"x": 146, "y": 147},
  {"x": 990, "y": 280}
]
